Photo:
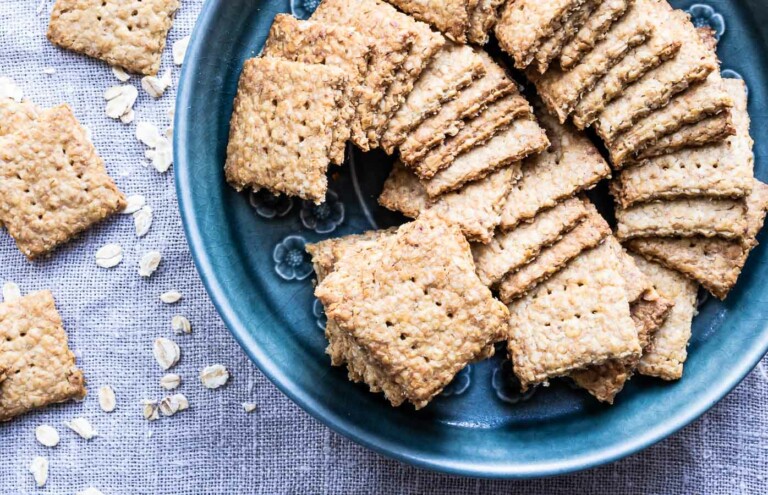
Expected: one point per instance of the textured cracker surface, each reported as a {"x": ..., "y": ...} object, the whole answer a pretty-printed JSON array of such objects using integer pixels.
[
  {"x": 714, "y": 263},
  {"x": 510, "y": 250},
  {"x": 15, "y": 116},
  {"x": 693, "y": 63},
  {"x": 523, "y": 138},
  {"x": 475, "y": 208},
  {"x": 470, "y": 101},
  {"x": 482, "y": 20},
  {"x": 126, "y": 33},
  {"x": 683, "y": 217},
  {"x": 421, "y": 314},
  {"x": 635, "y": 282},
  {"x": 561, "y": 90},
  {"x": 551, "y": 48},
  {"x": 594, "y": 30},
  {"x": 452, "y": 69},
  {"x": 588, "y": 234},
  {"x": 298, "y": 103},
  {"x": 711, "y": 130},
  {"x": 449, "y": 16},
  {"x": 53, "y": 184},
  {"x": 667, "y": 352},
  {"x": 33, "y": 349},
  {"x": 498, "y": 116},
  {"x": 571, "y": 164},
  {"x": 313, "y": 42},
  {"x": 721, "y": 170},
  {"x": 525, "y": 24},
  {"x": 577, "y": 318}
]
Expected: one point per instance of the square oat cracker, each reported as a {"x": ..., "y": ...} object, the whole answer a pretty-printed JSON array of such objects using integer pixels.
[
  {"x": 722, "y": 170},
  {"x": 452, "y": 69},
  {"x": 525, "y": 24},
  {"x": 127, "y": 33},
  {"x": 281, "y": 133},
  {"x": 510, "y": 250},
  {"x": 586, "y": 235},
  {"x": 33, "y": 349},
  {"x": 314, "y": 42},
  {"x": 451, "y": 17},
  {"x": 424, "y": 320},
  {"x": 593, "y": 31},
  {"x": 475, "y": 208},
  {"x": 451, "y": 117},
  {"x": 571, "y": 164},
  {"x": 579, "y": 317},
  {"x": 667, "y": 352},
  {"x": 481, "y": 20},
  {"x": 53, "y": 184},
  {"x": 714, "y": 263},
  {"x": 692, "y": 64}
]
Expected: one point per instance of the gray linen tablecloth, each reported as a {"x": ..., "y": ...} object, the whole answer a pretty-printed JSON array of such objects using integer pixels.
[{"x": 113, "y": 317}]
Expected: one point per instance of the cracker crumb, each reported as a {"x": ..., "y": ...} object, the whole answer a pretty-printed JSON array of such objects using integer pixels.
[
  {"x": 171, "y": 297},
  {"x": 149, "y": 263},
  {"x": 249, "y": 407},
  {"x": 11, "y": 292},
  {"x": 107, "y": 398},
  {"x": 120, "y": 74},
  {"x": 39, "y": 469},
  {"x": 170, "y": 381},
  {"x": 109, "y": 255},
  {"x": 47, "y": 435},
  {"x": 214, "y": 376},
  {"x": 120, "y": 100},
  {"x": 49, "y": 71},
  {"x": 181, "y": 324},
  {"x": 82, "y": 427},
  {"x": 142, "y": 220},
  {"x": 9, "y": 89},
  {"x": 180, "y": 50},
  {"x": 156, "y": 86},
  {"x": 134, "y": 204},
  {"x": 166, "y": 352}
]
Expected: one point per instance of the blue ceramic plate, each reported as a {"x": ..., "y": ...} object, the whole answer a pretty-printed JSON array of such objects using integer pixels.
[{"x": 249, "y": 252}]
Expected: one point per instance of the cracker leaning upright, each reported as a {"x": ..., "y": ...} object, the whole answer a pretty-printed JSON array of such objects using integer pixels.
[
  {"x": 33, "y": 349},
  {"x": 451, "y": 17},
  {"x": 126, "y": 33}
]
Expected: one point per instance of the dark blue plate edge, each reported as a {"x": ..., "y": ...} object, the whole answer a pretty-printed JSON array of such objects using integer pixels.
[{"x": 380, "y": 445}]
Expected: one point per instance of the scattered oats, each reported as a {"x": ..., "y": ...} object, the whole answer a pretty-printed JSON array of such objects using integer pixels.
[
  {"x": 148, "y": 134},
  {"x": 9, "y": 89},
  {"x": 182, "y": 401},
  {"x": 49, "y": 71},
  {"x": 39, "y": 469},
  {"x": 120, "y": 74},
  {"x": 120, "y": 100},
  {"x": 214, "y": 376},
  {"x": 142, "y": 220},
  {"x": 156, "y": 86},
  {"x": 169, "y": 132},
  {"x": 47, "y": 435},
  {"x": 150, "y": 410},
  {"x": 128, "y": 117},
  {"x": 11, "y": 292},
  {"x": 173, "y": 404},
  {"x": 107, "y": 398},
  {"x": 160, "y": 150},
  {"x": 170, "y": 381},
  {"x": 166, "y": 352},
  {"x": 172, "y": 112},
  {"x": 82, "y": 427},
  {"x": 149, "y": 263},
  {"x": 180, "y": 50},
  {"x": 135, "y": 203},
  {"x": 249, "y": 407},
  {"x": 109, "y": 255},
  {"x": 181, "y": 324},
  {"x": 170, "y": 297}
]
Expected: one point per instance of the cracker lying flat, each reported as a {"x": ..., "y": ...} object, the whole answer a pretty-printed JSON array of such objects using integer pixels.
[
  {"x": 588, "y": 234},
  {"x": 453, "y": 68},
  {"x": 684, "y": 217},
  {"x": 394, "y": 40},
  {"x": 551, "y": 47},
  {"x": 322, "y": 43},
  {"x": 34, "y": 350},
  {"x": 692, "y": 106},
  {"x": 498, "y": 116},
  {"x": 53, "y": 184},
  {"x": 449, "y": 16},
  {"x": 420, "y": 314},
  {"x": 692, "y": 64},
  {"x": 281, "y": 131},
  {"x": 482, "y": 20},
  {"x": 450, "y": 119},
  {"x": 525, "y": 24},
  {"x": 562, "y": 90},
  {"x": 593, "y": 31},
  {"x": 16, "y": 115},
  {"x": 523, "y": 138},
  {"x": 711, "y": 130},
  {"x": 714, "y": 263},
  {"x": 723, "y": 170},
  {"x": 665, "y": 356},
  {"x": 126, "y": 33},
  {"x": 508, "y": 251},
  {"x": 577, "y": 318},
  {"x": 571, "y": 164},
  {"x": 475, "y": 208}
]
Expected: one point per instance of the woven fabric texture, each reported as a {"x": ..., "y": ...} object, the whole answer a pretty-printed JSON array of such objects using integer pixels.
[{"x": 113, "y": 316}]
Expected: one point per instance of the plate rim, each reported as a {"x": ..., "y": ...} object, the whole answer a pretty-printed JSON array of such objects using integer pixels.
[{"x": 237, "y": 327}]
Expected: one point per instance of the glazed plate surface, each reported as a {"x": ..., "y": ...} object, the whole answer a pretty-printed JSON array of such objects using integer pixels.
[{"x": 249, "y": 252}]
